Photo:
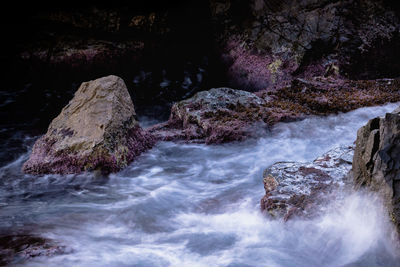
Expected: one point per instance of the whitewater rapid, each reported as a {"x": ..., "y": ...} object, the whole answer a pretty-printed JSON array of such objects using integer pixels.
[{"x": 197, "y": 205}]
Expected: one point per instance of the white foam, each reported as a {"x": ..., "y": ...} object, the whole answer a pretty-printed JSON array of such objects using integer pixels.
[{"x": 197, "y": 205}]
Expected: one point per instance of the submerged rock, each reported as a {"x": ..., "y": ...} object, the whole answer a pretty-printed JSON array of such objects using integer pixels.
[
  {"x": 300, "y": 189},
  {"x": 16, "y": 249},
  {"x": 214, "y": 116},
  {"x": 96, "y": 130},
  {"x": 376, "y": 163}
]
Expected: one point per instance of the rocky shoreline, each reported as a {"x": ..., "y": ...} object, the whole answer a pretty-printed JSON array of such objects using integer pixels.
[
  {"x": 96, "y": 137},
  {"x": 278, "y": 61},
  {"x": 223, "y": 114},
  {"x": 97, "y": 130}
]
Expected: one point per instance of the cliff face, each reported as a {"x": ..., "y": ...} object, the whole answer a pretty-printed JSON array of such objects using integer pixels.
[
  {"x": 376, "y": 162},
  {"x": 276, "y": 41}
]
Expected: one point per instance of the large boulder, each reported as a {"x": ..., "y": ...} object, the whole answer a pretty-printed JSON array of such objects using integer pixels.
[
  {"x": 97, "y": 130},
  {"x": 300, "y": 189},
  {"x": 376, "y": 163}
]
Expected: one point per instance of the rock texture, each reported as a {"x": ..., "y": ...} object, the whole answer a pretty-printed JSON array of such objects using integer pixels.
[
  {"x": 266, "y": 44},
  {"x": 325, "y": 95},
  {"x": 96, "y": 130},
  {"x": 214, "y": 116},
  {"x": 223, "y": 114},
  {"x": 376, "y": 163},
  {"x": 300, "y": 189}
]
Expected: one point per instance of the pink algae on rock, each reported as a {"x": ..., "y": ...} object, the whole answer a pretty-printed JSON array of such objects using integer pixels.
[{"x": 97, "y": 130}]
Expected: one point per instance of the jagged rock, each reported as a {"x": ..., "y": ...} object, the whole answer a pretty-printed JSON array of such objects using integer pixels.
[
  {"x": 376, "y": 163},
  {"x": 214, "y": 116},
  {"x": 96, "y": 130},
  {"x": 300, "y": 189}
]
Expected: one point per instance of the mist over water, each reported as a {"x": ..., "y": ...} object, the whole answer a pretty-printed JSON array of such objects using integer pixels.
[{"x": 197, "y": 205}]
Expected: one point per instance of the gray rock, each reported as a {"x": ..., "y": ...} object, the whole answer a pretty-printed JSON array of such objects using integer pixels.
[
  {"x": 376, "y": 163},
  {"x": 300, "y": 189},
  {"x": 215, "y": 116}
]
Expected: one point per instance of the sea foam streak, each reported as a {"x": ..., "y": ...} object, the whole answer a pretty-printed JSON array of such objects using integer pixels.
[{"x": 197, "y": 205}]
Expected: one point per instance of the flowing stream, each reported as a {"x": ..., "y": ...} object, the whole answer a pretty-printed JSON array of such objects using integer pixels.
[{"x": 198, "y": 205}]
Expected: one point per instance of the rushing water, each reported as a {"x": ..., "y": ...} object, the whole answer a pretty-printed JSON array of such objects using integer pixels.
[{"x": 197, "y": 205}]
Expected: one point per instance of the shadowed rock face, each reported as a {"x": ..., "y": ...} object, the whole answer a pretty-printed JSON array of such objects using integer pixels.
[
  {"x": 96, "y": 130},
  {"x": 300, "y": 189},
  {"x": 376, "y": 163},
  {"x": 276, "y": 41}
]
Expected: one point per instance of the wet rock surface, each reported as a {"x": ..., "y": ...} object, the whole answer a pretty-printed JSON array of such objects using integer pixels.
[
  {"x": 215, "y": 116},
  {"x": 96, "y": 130},
  {"x": 301, "y": 189},
  {"x": 324, "y": 95},
  {"x": 16, "y": 249},
  {"x": 224, "y": 114},
  {"x": 376, "y": 163}
]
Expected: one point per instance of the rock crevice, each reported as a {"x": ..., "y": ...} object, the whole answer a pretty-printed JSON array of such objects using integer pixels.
[{"x": 376, "y": 163}]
